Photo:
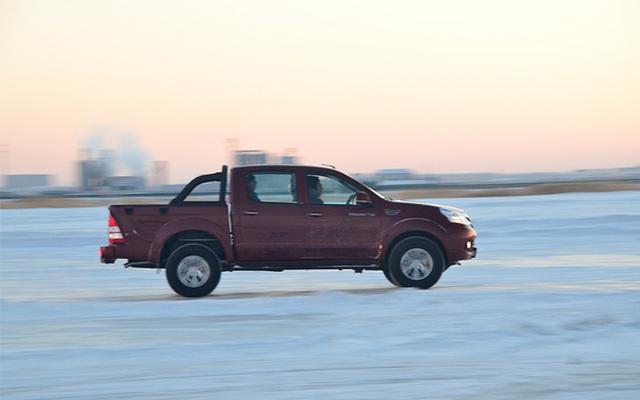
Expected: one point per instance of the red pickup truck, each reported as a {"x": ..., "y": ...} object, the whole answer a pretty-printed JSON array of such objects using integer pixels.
[{"x": 284, "y": 217}]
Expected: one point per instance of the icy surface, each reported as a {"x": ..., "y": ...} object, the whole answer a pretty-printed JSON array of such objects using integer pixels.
[{"x": 549, "y": 310}]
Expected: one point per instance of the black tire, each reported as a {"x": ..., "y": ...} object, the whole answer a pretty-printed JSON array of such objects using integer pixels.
[
  {"x": 385, "y": 270},
  {"x": 419, "y": 278},
  {"x": 204, "y": 264}
]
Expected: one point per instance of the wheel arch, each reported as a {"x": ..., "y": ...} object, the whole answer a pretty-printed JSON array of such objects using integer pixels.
[{"x": 192, "y": 236}]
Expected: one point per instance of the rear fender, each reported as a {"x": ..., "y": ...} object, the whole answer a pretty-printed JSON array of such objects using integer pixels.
[{"x": 188, "y": 224}]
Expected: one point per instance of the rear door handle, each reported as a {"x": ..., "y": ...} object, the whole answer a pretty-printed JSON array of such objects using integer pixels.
[
  {"x": 250, "y": 213},
  {"x": 315, "y": 214},
  {"x": 353, "y": 214}
]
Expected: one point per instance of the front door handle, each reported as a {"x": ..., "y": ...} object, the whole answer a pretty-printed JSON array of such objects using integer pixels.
[
  {"x": 250, "y": 213},
  {"x": 315, "y": 214}
]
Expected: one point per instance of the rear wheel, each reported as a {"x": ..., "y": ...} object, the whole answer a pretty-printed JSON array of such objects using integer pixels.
[
  {"x": 385, "y": 270},
  {"x": 193, "y": 270},
  {"x": 416, "y": 262}
]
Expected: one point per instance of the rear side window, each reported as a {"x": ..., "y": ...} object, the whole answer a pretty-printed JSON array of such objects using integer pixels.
[
  {"x": 271, "y": 187},
  {"x": 206, "y": 191}
]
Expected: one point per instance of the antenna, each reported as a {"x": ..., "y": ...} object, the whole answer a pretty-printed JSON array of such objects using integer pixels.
[{"x": 329, "y": 165}]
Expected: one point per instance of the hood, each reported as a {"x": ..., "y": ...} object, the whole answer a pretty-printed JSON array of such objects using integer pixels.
[
  {"x": 419, "y": 204},
  {"x": 412, "y": 208}
]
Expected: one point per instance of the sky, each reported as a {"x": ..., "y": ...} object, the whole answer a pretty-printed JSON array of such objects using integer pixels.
[{"x": 435, "y": 86}]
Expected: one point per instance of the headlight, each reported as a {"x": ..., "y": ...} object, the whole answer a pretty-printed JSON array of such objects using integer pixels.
[{"x": 456, "y": 216}]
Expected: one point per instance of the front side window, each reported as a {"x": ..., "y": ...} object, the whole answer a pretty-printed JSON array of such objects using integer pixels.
[
  {"x": 329, "y": 190},
  {"x": 271, "y": 187}
]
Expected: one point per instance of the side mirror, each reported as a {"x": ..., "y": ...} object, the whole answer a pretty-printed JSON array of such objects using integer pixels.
[{"x": 363, "y": 199}]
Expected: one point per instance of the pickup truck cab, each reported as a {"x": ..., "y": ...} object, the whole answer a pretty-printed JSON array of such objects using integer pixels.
[{"x": 284, "y": 217}]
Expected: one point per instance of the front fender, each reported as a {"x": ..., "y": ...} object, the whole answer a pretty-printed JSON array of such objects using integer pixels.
[
  {"x": 176, "y": 226},
  {"x": 413, "y": 225}
]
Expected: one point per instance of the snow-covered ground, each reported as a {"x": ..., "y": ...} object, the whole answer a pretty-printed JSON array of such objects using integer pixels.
[{"x": 549, "y": 310}]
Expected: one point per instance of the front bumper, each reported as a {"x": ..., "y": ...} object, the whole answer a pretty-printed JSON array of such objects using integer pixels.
[
  {"x": 467, "y": 254},
  {"x": 461, "y": 244}
]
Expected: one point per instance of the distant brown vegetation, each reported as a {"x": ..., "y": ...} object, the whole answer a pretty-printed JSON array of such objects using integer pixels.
[
  {"x": 528, "y": 190},
  {"x": 71, "y": 202}
]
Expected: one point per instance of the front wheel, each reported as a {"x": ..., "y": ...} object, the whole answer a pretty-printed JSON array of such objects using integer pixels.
[
  {"x": 416, "y": 262},
  {"x": 193, "y": 270}
]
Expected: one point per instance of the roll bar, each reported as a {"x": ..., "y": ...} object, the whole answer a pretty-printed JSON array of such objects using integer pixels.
[{"x": 216, "y": 177}]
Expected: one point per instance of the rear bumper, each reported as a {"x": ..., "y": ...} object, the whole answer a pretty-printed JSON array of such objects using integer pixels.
[{"x": 108, "y": 254}]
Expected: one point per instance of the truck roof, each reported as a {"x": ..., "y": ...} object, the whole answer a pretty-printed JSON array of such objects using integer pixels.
[{"x": 283, "y": 166}]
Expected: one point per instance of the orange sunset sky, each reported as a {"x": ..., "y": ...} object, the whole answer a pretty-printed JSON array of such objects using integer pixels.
[{"x": 436, "y": 86}]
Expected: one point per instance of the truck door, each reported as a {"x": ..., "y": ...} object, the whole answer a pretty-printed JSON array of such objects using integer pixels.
[
  {"x": 267, "y": 217},
  {"x": 336, "y": 227}
]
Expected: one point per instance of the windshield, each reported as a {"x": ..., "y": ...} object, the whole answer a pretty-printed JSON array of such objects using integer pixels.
[{"x": 388, "y": 198}]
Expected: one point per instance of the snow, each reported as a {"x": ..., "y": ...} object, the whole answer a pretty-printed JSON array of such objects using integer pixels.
[{"x": 549, "y": 310}]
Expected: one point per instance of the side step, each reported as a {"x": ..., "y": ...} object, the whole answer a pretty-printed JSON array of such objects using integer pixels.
[
  {"x": 140, "y": 264},
  {"x": 272, "y": 269},
  {"x": 356, "y": 269}
]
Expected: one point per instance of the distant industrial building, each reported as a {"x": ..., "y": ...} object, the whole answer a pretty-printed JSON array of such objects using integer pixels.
[
  {"x": 400, "y": 178},
  {"x": 90, "y": 174},
  {"x": 27, "y": 181},
  {"x": 125, "y": 182},
  {"x": 259, "y": 157},
  {"x": 288, "y": 160},
  {"x": 93, "y": 170},
  {"x": 250, "y": 157},
  {"x": 96, "y": 172}
]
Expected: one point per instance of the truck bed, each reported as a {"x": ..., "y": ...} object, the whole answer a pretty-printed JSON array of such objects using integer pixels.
[{"x": 148, "y": 229}]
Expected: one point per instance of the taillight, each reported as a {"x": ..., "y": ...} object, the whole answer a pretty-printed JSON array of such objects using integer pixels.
[{"x": 115, "y": 234}]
